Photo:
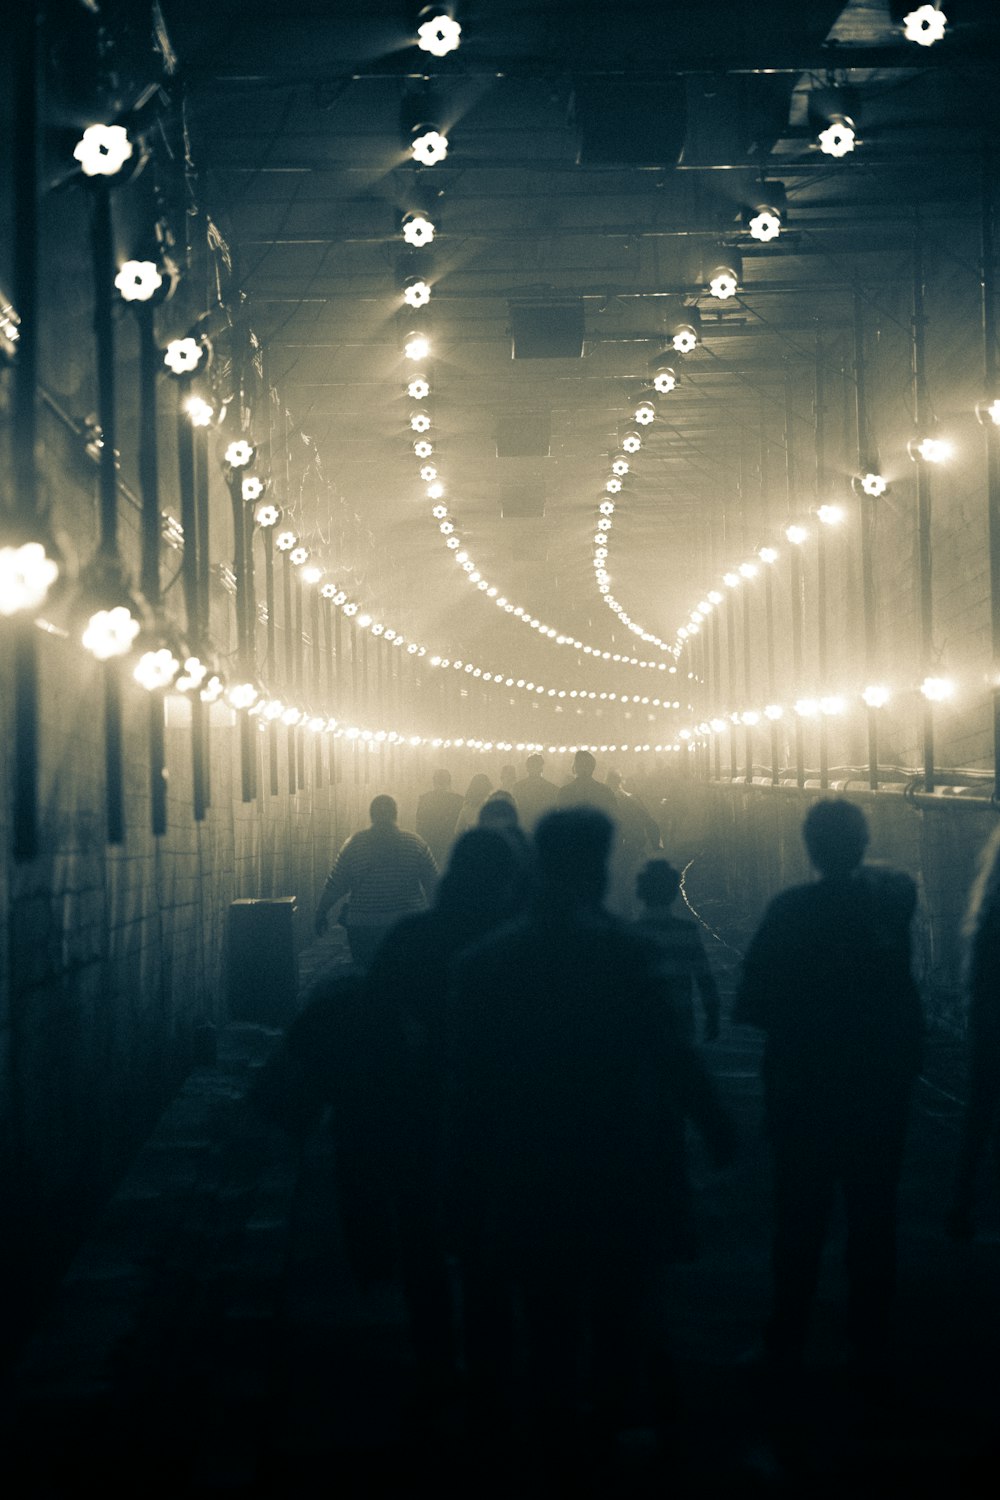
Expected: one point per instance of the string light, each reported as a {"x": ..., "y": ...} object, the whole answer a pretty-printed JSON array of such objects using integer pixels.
[
  {"x": 768, "y": 555},
  {"x": 181, "y": 356},
  {"x": 937, "y": 689},
  {"x": 286, "y": 540},
  {"x": 252, "y": 488},
  {"x": 723, "y": 283},
  {"x": 765, "y": 225},
  {"x": 439, "y": 35},
  {"x": 138, "y": 280},
  {"x": 242, "y": 695},
  {"x": 685, "y": 339},
  {"x": 298, "y": 555},
  {"x": 267, "y": 515},
  {"x": 26, "y": 575},
  {"x": 420, "y": 422},
  {"x": 199, "y": 410},
  {"x": 418, "y": 389},
  {"x": 664, "y": 381},
  {"x": 423, "y": 449},
  {"x": 416, "y": 293},
  {"x": 931, "y": 450},
  {"x": 631, "y": 442},
  {"x": 645, "y": 413},
  {"x": 796, "y": 534},
  {"x": 839, "y": 137},
  {"x": 110, "y": 632},
  {"x": 830, "y": 515},
  {"x": 191, "y": 676},
  {"x": 429, "y": 148},
  {"x": 874, "y": 484},
  {"x": 239, "y": 454},
  {"x": 925, "y": 25},
  {"x": 418, "y": 230},
  {"x": 875, "y": 695},
  {"x": 156, "y": 669},
  {"x": 417, "y": 346}
]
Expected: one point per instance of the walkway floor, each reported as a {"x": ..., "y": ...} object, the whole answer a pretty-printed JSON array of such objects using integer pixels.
[{"x": 209, "y": 1339}]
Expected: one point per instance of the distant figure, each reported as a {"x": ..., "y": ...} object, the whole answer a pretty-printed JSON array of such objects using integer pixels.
[
  {"x": 683, "y": 963},
  {"x": 827, "y": 977},
  {"x": 508, "y": 778},
  {"x": 584, "y": 791},
  {"x": 437, "y": 814},
  {"x": 571, "y": 1093},
  {"x": 981, "y": 1123},
  {"x": 406, "y": 991},
  {"x": 386, "y": 872},
  {"x": 499, "y": 812},
  {"x": 533, "y": 794},
  {"x": 478, "y": 790},
  {"x": 639, "y": 837}
]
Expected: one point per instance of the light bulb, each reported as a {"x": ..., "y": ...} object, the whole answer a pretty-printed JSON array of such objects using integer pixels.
[
  {"x": 645, "y": 413},
  {"x": 252, "y": 488},
  {"x": 937, "y": 689},
  {"x": 213, "y": 690},
  {"x": 420, "y": 422},
  {"x": 765, "y": 225},
  {"x": 774, "y": 712},
  {"x": 417, "y": 346},
  {"x": 181, "y": 356},
  {"x": 416, "y": 294},
  {"x": 298, "y": 555},
  {"x": 138, "y": 280},
  {"x": 156, "y": 669},
  {"x": 286, "y": 540},
  {"x": 429, "y": 148},
  {"x": 874, "y": 484},
  {"x": 723, "y": 284},
  {"x": 239, "y": 454},
  {"x": 925, "y": 25},
  {"x": 428, "y": 472},
  {"x": 832, "y": 704},
  {"x": 620, "y": 467},
  {"x": 839, "y": 138},
  {"x": 685, "y": 339},
  {"x": 807, "y": 708},
  {"x": 714, "y": 596},
  {"x": 731, "y": 580},
  {"x": 435, "y": 490},
  {"x": 796, "y": 535},
  {"x": 312, "y": 574},
  {"x": 439, "y": 35},
  {"x": 199, "y": 410},
  {"x": 631, "y": 442},
  {"x": 664, "y": 381},
  {"x": 613, "y": 486},
  {"x": 103, "y": 150},
  {"x": 831, "y": 515},
  {"x": 423, "y": 449},
  {"x": 192, "y": 676},
  {"x": 750, "y": 717},
  {"x": 110, "y": 632},
  {"x": 768, "y": 554},
  {"x": 26, "y": 575},
  {"x": 267, "y": 515},
  {"x": 418, "y": 389},
  {"x": 418, "y": 230},
  {"x": 933, "y": 450},
  {"x": 748, "y": 570},
  {"x": 876, "y": 696}
]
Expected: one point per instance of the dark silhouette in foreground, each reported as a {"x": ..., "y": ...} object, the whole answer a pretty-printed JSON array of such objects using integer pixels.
[
  {"x": 386, "y": 872},
  {"x": 981, "y": 1121},
  {"x": 683, "y": 964},
  {"x": 827, "y": 977},
  {"x": 572, "y": 1084}
]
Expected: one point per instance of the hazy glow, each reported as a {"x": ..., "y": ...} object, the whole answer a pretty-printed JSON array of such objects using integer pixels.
[
  {"x": 26, "y": 575},
  {"x": 731, "y": 580},
  {"x": 417, "y": 346},
  {"x": 796, "y": 535},
  {"x": 156, "y": 669},
  {"x": 937, "y": 689},
  {"x": 110, "y": 632},
  {"x": 876, "y": 696},
  {"x": 934, "y": 450},
  {"x": 199, "y": 410},
  {"x": 833, "y": 704},
  {"x": 774, "y": 711},
  {"x": 768, "y": 554},
  {"x": 831, "y": 515},
  {"x": 749, "y": 569},
  {"x": 807, "y": 708}
]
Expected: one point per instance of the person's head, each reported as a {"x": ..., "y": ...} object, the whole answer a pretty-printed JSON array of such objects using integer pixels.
[
  {"x": 533, "y": 765},
  {"x": 584, "y": 764},
  {"x": 836, "y": 835},
  {"x": 572, "y": 846},
  {"x": 657, "y": 883},
  {"x": 498, "y": 811},
  {"x": 508, "y": 776},
  {"x": 383, "y": 811},
  {"x": 479, "y": 789},
  {"x": 441, "y": 781},
  {"x": 613, "y": 779},
  {"x": 481, "y": 876}
]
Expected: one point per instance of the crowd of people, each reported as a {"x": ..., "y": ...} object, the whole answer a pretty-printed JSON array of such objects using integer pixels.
[{"x": 536, "y": 1064}]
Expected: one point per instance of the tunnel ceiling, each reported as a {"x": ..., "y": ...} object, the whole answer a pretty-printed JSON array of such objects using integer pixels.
[{"x": 599, "y": 156}]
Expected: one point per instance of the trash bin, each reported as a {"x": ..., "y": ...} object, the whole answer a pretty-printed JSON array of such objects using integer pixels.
[{"x": 262, "y": 979}]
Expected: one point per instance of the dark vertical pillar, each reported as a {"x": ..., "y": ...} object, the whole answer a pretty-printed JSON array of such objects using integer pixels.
[
  {"x": 149, "y": 486},
  {"x": 990, "y": 371},
  {"x": 866, "y": 506},
  {"x": 822, "y": 653},
  {"x": 921, "y": 413}
]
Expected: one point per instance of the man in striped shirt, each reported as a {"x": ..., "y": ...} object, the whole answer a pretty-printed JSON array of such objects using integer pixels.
[{"x": 386, "y": 872}]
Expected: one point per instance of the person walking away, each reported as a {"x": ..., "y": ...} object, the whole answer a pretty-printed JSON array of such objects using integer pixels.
[
  {"x": 386, "y": 873},
  {"x": 437, "y": 814},
  {"x": 585, "y": 791},
  {"x": 534, "y": 795},
  {"x": 639, "y": 837},
  {"x": 476, "y": 793},
  {"x": 827, "y": 978},
  {"x": 683, "y": 964}
]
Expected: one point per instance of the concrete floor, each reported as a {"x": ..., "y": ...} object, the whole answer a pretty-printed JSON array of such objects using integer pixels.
[{"x": 209, "y": 1338}]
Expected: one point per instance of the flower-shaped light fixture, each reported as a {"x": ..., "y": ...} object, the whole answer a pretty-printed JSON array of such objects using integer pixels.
[
  {"x": 298, "y": 555},
  {"x": 874, "y": 484},
  {"x": 724, "y": 281},
  {"x": 418, "y": 229},
  {"x": 435, "y": 490},
  {"x": 839, "y": 138},
  {"x": 286, "y": 540},
  {"x": 191, "y": 676},
  {"x": 252, "y": 488},
  {"x": 418, "y": 389},
  {"x": 239, "y": 454},
  {"x": 26, "y": 575},
  {"x": 765, "y": 215},
  {"x": 103, "y": 150},
  {"x": 156, "y": 669},
  {"x": 644, "y": 413},
  {"x": 631, "y": 442},
  {"x": 200, "y": 411},
  {"x": 181, "y": 356},
  {"x": 931, "y": 449},
  {"x": 423, "y": 449},
  {"x": 830, "y": 515},
  {"x": 242, "y": 695},
  {"x": 875, "y": 695},
  {"x": 213, "y": 689},
  {"x": 420, "y": 422},
  {"x": 311, "y": 574},
  {"x": 685, "y": 338},
  {"x": 429, "y": 146},
  {"x": 110, "y": 632},
  {"x": 417, "y": 346},
  {"x": 925, "y": 25},
  {"x": 748, "y": 570},
  {"x": 267, "y": 515},
  {"x": 428, "y": 472},
  {"x": 664, "y": 381},
  {"x": 613, "y": 486},
  {"x": 417, "y": 292},
  {"x": 768, "y": 555},
  {"x": 619, "y": 467},
  {"x": 138, "y": 280},
  {"x": 328, "y": 590},
  {"x": 439, "y": 34},
  {"x": 774, "y": 712},
  {"x": 937, "y": 689},
  {"x": 796, "y": 534}
]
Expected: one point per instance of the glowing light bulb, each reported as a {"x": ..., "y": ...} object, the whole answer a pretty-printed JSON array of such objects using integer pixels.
[
  {"x": 267, "y": 515},
  {"x": 418, "y": 230},
  {"x": 874, "y": 484},
  {"x": 292, "y": 716},
  {"x": 934, "y": 450},
  {"x": 714, "y": 596},
  {"x": 138, "y": 280},
  {"x": 417, "y": 346},
  {"x": 937, "y": 689},
  {"x": 620, "y": 467},
  {"x": 664, "y": 381},
  {"x": 992, "y": 410},
  {"x": 429, "y": 148},
  {"x": 239, "y": 454},
  {"x": 717, "y": 726},
  {"x": 723, "y": 285},
  {"x": 418, "y": 389},
  {"x": 312, "y": 574},
  {"x": 420, "y": 421},
  {"x": 423, "y": 449},
  {"x": 298, "y": 555},
  {"x": 832, "y": 704},
  {"x": 731, "y": 580},
  {"x": 428, "y": 472},
  {"x": 750, "y": 717},
  {"x": 876, "y": 696},
  {"x": 838, "y": 139},
  {"x": 768, "y": 554},
  {"x": 26, "y": 575},
  {"x": 213, "y": 690},
  {"x": 925, "y": 25},
  {"x": 199, "y": 410},
  {"x": 613, "y": 486},
  {"x": 830, "y": 515},
  {"x": 774, "y": 712},
  {"x": 435, "y": 490},
  {"x": 644, "y": 413},
  {"x": 807, "y": 708},
  {"x": 685, "y": 339},
  {"x": 156, "y": 669},
  {"x": 181, "y": 356},
  {"x": 607, "y": 507},
  {"x": 631, "y": 442},
  {"x": 103, "y": 150},
  {"x": 286, "y": 540},
  {"x": 748, "y": 570},
  {"x": 765, "y": 225},
  {"x": 416, "y": 294},
  {"x": 252, "y": 488},
  {"x": 439, "y": 35},
  {"x": 110, "y": 632},
  {"x": 796, "y": 535}
]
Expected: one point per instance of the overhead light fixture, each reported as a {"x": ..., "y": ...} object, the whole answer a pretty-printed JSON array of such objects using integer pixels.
[
  {"x": 871, "y": 483},
  {"x": 416, "y": 292},
  {"x": 796, "y": 534},
  {"x": 685, "y": 336},
  {"x": 139, "y": 280},
  {"x": 665, "y": 380},
  {"x": 768, "y": 554},
  {"x": 418, "y": 389},
  {"x": 103, "y": 150},
  {"x": 200, "y": 411},
  {"x": 724, "y": 279},
  {"x": 875, "y": 695},
  {"x": 764, "y": 217},
  {"x": 839, "y": 138},
  {"x": 830, "y": 515},
  {"x": 437, "y": 31},
  {"x": 182, "y": 356},
  {"x": 925, "y": 25},
  {"x": 931, "y": 449},
  {"x": 631, "y": 442},
  {"x": 26, "y": 575},
  {"x": 620, "y": 466},
  {"x": 937, "y": 689},
  {"x": 239, "y": 453},
  {"x": 644, "y": 413},
  {"x": 418, "y": 229},
  {"x": 429, "y": 146},
  {"x": 417, "y": 346},
  {"x": 420, "y": 422}
]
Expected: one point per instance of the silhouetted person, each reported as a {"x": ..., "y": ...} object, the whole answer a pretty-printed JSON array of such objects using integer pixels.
[
  {"x": 437, "y": 814},
  {"x": 406, "y": 990},
  {"x": 584, "y": 791},
  {"x": 638, "y": 837},
  {"x": 476, "y": 793},
  {"x": 682, "y": 963},
  {"x": 533, "y": 794},
  {"x": 571, "y": 1088},
  {"x": 499, "y": 812},
  {"x": 386, "y": 872},
  {"x": 981, "y": 1121},
  {"x": 827, "y": 977},
  {"x": 508, "y": 778}
]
